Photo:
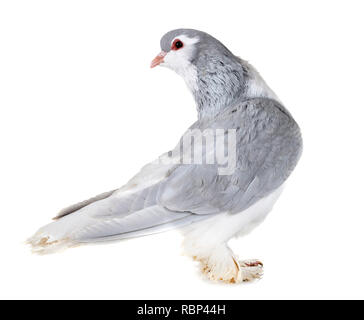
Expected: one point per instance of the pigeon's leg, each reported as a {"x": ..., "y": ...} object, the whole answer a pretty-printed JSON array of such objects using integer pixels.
[
  {"x": 218, "y": 263},
  {"x": 206, "y": 242},
  {"x": 223, "y": 266}
]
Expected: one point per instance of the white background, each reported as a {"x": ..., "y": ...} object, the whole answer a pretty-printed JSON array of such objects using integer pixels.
[{"x": 81, "y": 112}]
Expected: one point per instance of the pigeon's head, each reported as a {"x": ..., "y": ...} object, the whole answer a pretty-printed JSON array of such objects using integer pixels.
[
  {"x": 216, "y": 77},
  {"x": 186, "y": 51}
]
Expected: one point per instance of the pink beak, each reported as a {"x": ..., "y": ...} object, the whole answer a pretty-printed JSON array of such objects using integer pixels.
[{"x": 158, "y": 59}]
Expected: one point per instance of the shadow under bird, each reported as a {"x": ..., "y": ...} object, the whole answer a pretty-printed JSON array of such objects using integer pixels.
[{"x": 209, "y": 207}]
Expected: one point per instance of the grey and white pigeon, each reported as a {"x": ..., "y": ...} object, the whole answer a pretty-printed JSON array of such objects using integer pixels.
[{"x": 209, "y": 205}]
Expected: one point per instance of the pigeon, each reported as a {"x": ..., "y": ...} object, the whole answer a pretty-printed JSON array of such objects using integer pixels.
[{"x": 212, "y": 199}]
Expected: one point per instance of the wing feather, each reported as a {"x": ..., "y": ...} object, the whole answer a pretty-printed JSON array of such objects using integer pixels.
[{"x": 80, "y": 205}]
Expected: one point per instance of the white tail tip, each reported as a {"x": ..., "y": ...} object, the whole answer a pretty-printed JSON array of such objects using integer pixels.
[{"x": 43, "y": 244}]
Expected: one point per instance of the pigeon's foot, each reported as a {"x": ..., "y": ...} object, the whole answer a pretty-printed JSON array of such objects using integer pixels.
[
  {"x": 232, "y": 271},
  {"x": 219, "y": 264},
  {"x": 251, "y": 270}
]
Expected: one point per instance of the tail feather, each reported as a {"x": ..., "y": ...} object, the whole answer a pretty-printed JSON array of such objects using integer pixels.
[{"x": 113, "y": 218}]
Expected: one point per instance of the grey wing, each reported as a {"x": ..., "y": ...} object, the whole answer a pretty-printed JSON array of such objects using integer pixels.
[
  {"x": 268, "y": 146},
  {"x": 161, "y": 197}
]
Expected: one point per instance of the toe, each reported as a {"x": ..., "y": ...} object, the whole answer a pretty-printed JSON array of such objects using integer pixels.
[{"x": 251, "y": 263}]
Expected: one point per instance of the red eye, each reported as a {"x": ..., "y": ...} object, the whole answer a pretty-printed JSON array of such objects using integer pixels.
[{"x": 177, "y": 44}]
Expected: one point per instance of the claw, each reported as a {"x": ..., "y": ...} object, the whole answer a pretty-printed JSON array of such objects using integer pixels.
[{"x": 253, "y": 263}]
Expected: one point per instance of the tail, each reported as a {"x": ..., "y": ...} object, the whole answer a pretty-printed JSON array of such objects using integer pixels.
[{"x": 120, "y": 215}]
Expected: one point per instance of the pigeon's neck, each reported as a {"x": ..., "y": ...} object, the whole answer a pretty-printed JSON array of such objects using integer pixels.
[{"x": 226, "y": 84}]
